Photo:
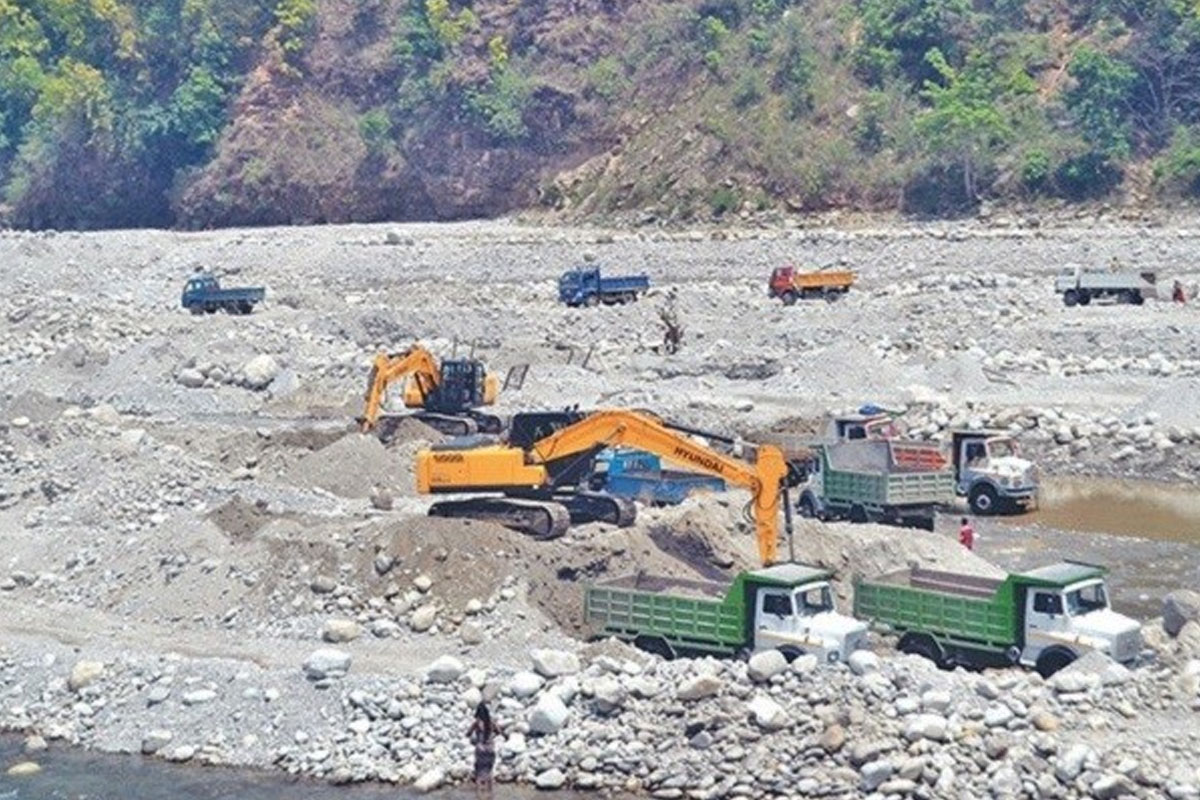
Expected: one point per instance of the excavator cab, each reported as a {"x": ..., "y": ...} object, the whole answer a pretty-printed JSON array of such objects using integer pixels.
[{"x": 462, "y": 388}]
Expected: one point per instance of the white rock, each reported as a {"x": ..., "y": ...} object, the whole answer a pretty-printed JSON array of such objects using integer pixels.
[
  {"x": 525, "y": 684},
  {"x": 936, "y": 700},
  {"x": 767, "y": 714},
  {"x": 552, "y": 778},
  {"x": 260, "y": 371},
  {"x": 190, "y": 378},
  {"x": 155, "y": 740},
  {"x": 554, "y": 663},
  {"x": 862, "y": 662},
  {"x": 698, "y": 687},
  {"x": 326, "y": 663},
  {"x": 1072, "y": 762},
  {"x": 446, "y": 669},
  {"x": 926, "y": 726},
  {"x": 422, "y": 619},
  {"x": 609, "y": 694},
  {"x": 430, "y": 780},
  {"x": 765, "y": 665},
  {"x": 84, "y": 674},
  {"x": 805, "y": 664},
  {"x": 423, "y": 583},
  {"x": 337, "y": 631},
  {"x": 549, "y": 715},
  {"x": 198, "y": 697}
]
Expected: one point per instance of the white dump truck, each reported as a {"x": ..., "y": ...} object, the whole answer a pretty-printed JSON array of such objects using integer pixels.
[{"x": 1078, "y": 286}]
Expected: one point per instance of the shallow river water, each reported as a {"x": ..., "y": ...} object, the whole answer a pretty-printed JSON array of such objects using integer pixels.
[{"x": 70, "y": 774}]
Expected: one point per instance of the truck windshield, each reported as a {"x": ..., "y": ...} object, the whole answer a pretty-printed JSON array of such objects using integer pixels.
[
  {"x": 1087, "y": 599},
  {"x": 814, "y": 600},
  {"x": 1002, "y": 448}
]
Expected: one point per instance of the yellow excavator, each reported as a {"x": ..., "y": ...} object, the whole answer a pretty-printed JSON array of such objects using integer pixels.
[
  {"x": 533, "y": 483},
  {"x": 448, "y": 394}
]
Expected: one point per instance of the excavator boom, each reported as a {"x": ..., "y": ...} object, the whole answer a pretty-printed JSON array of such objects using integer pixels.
[{"x": 416, "y": 361}]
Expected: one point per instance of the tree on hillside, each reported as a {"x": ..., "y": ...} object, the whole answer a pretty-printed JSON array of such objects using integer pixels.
[
  {"x": 965, "y": 121},
  {"x": 1100, "y": 101}
]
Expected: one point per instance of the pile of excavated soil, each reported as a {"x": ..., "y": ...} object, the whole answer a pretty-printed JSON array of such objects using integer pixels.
[
  {"x": 350, "y": 467},
  {"x": 240, "y": 519}
]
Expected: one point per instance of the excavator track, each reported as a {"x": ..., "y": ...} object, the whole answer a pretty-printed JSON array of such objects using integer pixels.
[
  {"x": 449, "y": 424},
  {"x": 599, "y": 507},
  {"x": 539, "y": 520}
]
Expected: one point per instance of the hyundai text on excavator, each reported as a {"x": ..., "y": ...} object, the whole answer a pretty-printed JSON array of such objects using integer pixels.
[
  {"x": 533, "y": 483},
  {"x": 448, "y": 394}
]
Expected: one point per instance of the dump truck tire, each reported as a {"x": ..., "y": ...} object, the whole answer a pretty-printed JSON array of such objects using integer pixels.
[
  {"x": 923, "y": 645},
  {"x": 656, "y": 645},
  {"x": 1053, "y": 660},
  {"x": 1085, "y": 297},
  {"x": 983, "y": 499},
  {"x": 1070, "y": 297},
  {"x": 789, "y": 298}
]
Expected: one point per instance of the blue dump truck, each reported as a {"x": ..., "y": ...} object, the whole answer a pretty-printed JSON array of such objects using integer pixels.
[
  {"x": 639, "y": 475},
  {"x": 587, "y": 287},
  {"x": 203, "y": 295}
]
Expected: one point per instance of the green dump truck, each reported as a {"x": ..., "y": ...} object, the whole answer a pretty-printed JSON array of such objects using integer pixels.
[
  {"x": 786, "y": 607},
  {"x": 1045, "y": 618},
  {"x": 887, "y": 481}
]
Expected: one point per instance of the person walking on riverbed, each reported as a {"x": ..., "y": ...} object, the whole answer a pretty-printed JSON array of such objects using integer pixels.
[{"x": 483, "y": 735}]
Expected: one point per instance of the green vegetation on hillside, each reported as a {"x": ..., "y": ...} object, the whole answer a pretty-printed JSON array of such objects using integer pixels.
[{"x": 154, "y": 112}]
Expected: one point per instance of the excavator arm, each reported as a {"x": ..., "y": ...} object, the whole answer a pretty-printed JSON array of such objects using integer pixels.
[
  {"x": 764, "y": 478},
  {"x": 416, "y": 361}
]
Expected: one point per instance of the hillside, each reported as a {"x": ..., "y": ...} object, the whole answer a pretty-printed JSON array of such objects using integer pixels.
[{"x": 202, "y": 113}]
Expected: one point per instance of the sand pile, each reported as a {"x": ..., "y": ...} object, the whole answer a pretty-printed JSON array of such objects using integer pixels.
[{"x": 350, "y": 467}]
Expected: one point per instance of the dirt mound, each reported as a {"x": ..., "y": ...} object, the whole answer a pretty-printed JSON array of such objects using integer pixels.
[
  {"x": 239, "y": 519},
  {"x": 350, "y": 467},
  {"x": 407, "y": 430}
]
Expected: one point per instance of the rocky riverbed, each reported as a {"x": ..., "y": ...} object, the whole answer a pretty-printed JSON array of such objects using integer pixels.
[{"x": 203, "y": 562}]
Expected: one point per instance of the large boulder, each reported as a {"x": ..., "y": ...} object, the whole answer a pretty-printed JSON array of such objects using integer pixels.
[
  {"x": 1180, "y": 607},
  {"x": 326, "y": 663},
  {"x": 555, "y": 663},
  {"x": 260, "y": 371},
  {"x": 525, "y": 684},
  {"x": 430, "y": 780},
  {"x": 446, "y": 669},
  {"x": 549, "y": 715},
  {"x": 766, "y": 665},
  {"x": 423, "y": 618}
]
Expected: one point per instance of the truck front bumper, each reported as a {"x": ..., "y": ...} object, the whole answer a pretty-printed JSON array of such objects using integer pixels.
[{"x": 1025, "y": 498}]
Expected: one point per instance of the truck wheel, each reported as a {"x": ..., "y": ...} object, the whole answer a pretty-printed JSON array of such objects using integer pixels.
[
  {"x": 831, "y": 295},
  {"x": 656, "y": 645},
  {"x": 1134, "y": 297},
  {"x": 592, "y": 300},
  {"x": 790, "y": 654},
  {"x": 923, "y": 645},
  {"x": 1085, "y": 297},
  {"x": 983, "y": 499},
  {"x": 858, "y": 514},
  {"x": 789, "y": 298},
  {"x": 1070, "y": 297},
  {"x": 1052, "y": 661}
]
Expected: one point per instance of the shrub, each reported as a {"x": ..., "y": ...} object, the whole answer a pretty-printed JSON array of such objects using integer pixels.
[
  {"x": 1035, "y": 170},
  {"x": 376, "y": 130},
  {"x": 724, "y": 200},
  {"x": 1086, "y": 177}
]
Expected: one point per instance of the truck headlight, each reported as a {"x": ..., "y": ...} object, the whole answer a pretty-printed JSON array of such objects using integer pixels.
[{"x": 832, "y": 656}]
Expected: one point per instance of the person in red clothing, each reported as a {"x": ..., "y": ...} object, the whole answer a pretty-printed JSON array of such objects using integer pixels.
[{"x": 966, "y": 534}]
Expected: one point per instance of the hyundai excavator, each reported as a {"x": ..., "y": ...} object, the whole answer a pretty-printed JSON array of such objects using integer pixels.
[
  {"x": 533, "y": 482},
  {"x": 448, "y": 394}
]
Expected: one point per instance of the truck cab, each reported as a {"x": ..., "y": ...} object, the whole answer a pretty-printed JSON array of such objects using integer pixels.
[
  {"x": 989, "y": 472},
  {"x": 1066, "y": 612},
  {"x": 793, "y": 612},
  {"x": 197, "y": 288},
  {"x": 578, "y": 286}
]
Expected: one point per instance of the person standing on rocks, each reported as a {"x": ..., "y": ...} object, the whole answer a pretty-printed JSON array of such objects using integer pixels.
[
  {"x": 966, "y": 534},
  {"x": 483, "y": 735}
]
